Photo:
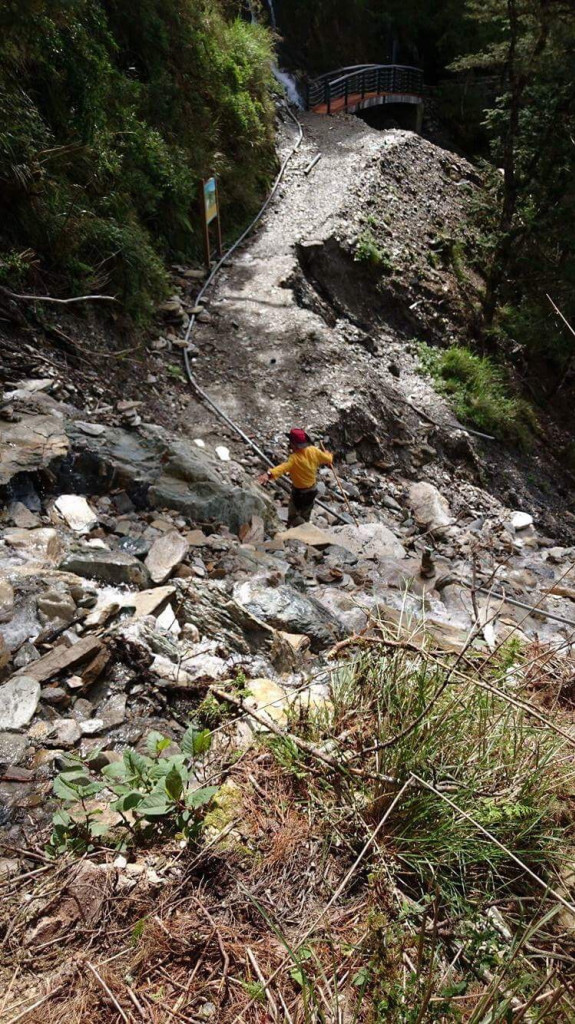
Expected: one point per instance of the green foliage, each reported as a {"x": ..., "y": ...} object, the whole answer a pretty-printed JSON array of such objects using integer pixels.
[
  {"x": 367, "y": 250},
  {"x": 479, "y": 391},
  {"x": 107, "y": 123},
  {"x": 153, "y": 796}
]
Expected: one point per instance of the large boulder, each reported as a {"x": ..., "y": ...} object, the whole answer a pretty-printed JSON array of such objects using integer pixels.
[
  {"x": 29, "y": 444},
  {"x": 154, "y": 469},
  {"x": 288, "y": 609},
  {"x": 216, "y": 613},
  {"x": 113, "y": 567},
  {"x": 369, "y": 540}
]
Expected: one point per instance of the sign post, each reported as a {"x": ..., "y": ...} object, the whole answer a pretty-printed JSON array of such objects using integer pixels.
[{"x": 210, "y": 209}]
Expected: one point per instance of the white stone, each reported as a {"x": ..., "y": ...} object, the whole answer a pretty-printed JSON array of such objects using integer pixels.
[
  {"x": 18, "y": 701},
  {"x": 165, "y": 553},
  {"x": 521, "y": 520},
  {"x": 76, "y": 511},
  {"x": 167, "y": 620},
  {"x": 429, "y": 507},
  {"x": 223, "y": 453},
  {"x": 199, "y": 442},
  {"x": 91, "y": 726}
]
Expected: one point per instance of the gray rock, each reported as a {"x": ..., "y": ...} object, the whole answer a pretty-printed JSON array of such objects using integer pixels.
[
  {"x": 22, "y": 517},
  {"x": 113, "y": 711},
  {"x": 209, "y": 609},
  {"x": 136, "y": 546},
  {"x": 55, "y": 605},
  {"x": 18, "y": 702},
  {"x": 12, "y": 748},
  {"x": 65, "y": 733},
  {"x": 6, "y": 601},
  {"x": 429, "y": 507},
  {"x": 165, "y": 553},
  {"x": 29, "y": 444},
  {"x": 287, "y": 609},
  {"x": 25, "y": 655},
  {"x": 107, "y": 566},
  {"x": 55, "y": 695},
  {"x": 175, "y": 475},
  {"x": 369, "y": 540}
]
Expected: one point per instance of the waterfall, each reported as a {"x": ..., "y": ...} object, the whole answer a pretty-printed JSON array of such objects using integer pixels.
[
  {"x": 273, "y": 19},
  {"x": 287, "y": 80},
  {"x": 290, "y": 85}
]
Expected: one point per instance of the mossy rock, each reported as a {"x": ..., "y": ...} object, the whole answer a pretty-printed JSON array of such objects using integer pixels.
[{"x": 227, "y": 807}]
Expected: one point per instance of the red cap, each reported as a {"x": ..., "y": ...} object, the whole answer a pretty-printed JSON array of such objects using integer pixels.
[{"x": 297, "y": 436}]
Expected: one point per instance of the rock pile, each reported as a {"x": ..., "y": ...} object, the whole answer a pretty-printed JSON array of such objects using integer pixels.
[{"x": 138, "y": 570}]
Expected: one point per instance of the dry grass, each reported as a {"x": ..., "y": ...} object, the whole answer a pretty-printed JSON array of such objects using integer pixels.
[{"x": 427, "y": 922}]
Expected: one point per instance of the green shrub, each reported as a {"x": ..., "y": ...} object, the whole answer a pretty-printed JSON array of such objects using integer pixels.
[
  {"x": 152, "y": 795},
  {"x": 367, "y": 250},
  {"x": 479, "y": 392}
]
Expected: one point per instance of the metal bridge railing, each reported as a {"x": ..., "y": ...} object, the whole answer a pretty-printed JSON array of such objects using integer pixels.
[{"x": 364, "y": 80}]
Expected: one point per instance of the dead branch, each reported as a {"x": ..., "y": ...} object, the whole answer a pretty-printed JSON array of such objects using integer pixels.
[
  {"x": 307, "y": 748},
  {"x": 58, "y": 302},
  {"x": 108, "y": 992}
]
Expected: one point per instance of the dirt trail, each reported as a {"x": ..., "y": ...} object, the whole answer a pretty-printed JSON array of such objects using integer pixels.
[{"x": 264, "y": 359}]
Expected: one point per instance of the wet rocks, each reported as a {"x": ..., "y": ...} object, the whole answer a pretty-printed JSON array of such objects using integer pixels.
[
  {"x": 216, "y": 613},
  {"x": 77, "y": 513},
  {"x": 41, "y": 544},
  {"x": 18, "y": 702},
  {"x": 166, "y": 552},
  {"x": 113, "y": 567}
]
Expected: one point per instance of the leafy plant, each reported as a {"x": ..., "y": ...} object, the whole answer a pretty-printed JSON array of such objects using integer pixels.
[
  {"x": 153, "y": 796},
  {"x": 368, "y": 250}
]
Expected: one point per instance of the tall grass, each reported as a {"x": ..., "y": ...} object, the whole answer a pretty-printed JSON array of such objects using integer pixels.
[{"x": 480, "y": 392}]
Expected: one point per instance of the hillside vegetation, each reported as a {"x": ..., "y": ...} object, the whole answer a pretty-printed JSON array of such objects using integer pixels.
[{"x": 107, "y": 123}]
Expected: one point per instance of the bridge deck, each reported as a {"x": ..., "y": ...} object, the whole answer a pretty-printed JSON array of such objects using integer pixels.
[{"x": 356, "y": 101}]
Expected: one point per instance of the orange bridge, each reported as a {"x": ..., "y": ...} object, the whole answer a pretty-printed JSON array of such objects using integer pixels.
[{"x": 366, "y": 85}]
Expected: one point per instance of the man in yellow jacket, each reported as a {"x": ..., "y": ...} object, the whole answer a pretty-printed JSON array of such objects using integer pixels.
[{"x": 301, "y": 466}]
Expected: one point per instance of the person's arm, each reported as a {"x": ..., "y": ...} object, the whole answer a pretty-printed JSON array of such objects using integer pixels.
[
  {"x": 324, "y": 458},
  {"x": 275, "y": 473}
]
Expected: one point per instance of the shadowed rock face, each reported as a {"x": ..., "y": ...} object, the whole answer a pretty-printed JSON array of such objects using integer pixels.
[{"x": 156, "y": 471}]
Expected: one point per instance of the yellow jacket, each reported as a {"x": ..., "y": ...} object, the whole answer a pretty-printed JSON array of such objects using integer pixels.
[{"x": 302, "y": 466}]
